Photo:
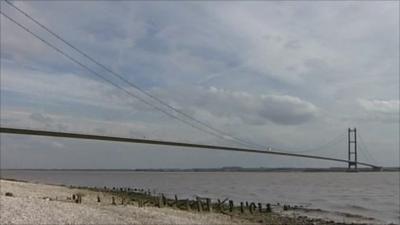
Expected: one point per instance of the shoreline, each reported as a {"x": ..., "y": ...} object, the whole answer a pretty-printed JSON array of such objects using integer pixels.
[{"x": 136, "y": 206}]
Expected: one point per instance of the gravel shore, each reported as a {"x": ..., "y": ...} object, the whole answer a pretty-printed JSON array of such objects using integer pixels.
[{"x": 48, "y": 204}]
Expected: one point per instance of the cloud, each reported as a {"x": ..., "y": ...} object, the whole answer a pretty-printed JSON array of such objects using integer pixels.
[
  {"x": 288, "y": 110},
  {"x": 249, "y": 108},
  {"x": 380, "y": 106},
  {"x": 386, "y": 111}
]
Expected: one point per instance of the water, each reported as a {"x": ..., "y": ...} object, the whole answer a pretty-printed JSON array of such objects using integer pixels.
[{"x": 374, "y": 194}]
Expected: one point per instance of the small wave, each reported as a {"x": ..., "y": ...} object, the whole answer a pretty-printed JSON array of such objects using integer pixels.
[
  {"x": 358, "y": 207},
  {"x": 353, "y": 216},
  {"x": 338, "y": 216}
]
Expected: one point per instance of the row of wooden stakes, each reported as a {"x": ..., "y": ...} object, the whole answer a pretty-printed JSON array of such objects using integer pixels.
[{"x": 200, "y": 204}]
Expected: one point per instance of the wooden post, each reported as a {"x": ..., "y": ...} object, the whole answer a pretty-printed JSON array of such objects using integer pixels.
[
  {"x": 176, "y": 201},
  {"x": 230, "y": 205},
  {"x": 252, "y": 207},
  {"x": 164, "y": 200},
  {"x": 221, "y": 204},
  {"x": 269, "y": 208},
  {"x": 208, "y": 204},
  {"x": 199, "y": 207},
  {"x": 98, "y": 198},
  {"x": 160, "y": 201},
  {"x": 187, "y": 203},
  {"x": 259, "y": 207},
  {"x": 241, "y": 207},
  {"x": 113, "y": 200}
]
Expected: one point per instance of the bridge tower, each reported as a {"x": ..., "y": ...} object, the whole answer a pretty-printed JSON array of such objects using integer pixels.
[{"x": 352, "y": 149}]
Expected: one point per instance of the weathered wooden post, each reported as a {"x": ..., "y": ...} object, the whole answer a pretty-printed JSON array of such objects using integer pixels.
[
  {"x": 252, "y": 207},
  {"x": 98, "y": 198},
  {"x": 230, "y": 205},
  {"x": 285, "y": 207},
  {"x": 160, "y": 201},
  {"x": 199, "y": 207},
  {"x": 269, "y": 208},
  {"x": 164, "y": 200},
  {"x": 113, "y": 200},
  {"x": 219, "y": 207},
  {"x": 208, "y": 204},
  {"x": 176, "y": 201},
  {"x": 187, "y": 203},
  {"x": 241, "y": 207},
  {"x": 221, "y": 204}
]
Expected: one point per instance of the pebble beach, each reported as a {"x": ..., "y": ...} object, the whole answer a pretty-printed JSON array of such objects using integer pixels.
[{"x": 48, "y": 204}]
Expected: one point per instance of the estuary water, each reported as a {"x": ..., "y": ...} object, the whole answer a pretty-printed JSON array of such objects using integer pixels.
[{"x": 367, "y": 194}]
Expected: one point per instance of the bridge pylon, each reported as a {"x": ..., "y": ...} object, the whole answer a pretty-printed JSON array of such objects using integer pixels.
[{"x": 352, "y": 150}]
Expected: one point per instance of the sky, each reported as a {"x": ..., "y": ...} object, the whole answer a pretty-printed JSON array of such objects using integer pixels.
[{"x": 286, "y": 74}]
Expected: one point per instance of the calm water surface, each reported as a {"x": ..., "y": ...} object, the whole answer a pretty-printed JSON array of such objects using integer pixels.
[{"x": 374, "y": 194}]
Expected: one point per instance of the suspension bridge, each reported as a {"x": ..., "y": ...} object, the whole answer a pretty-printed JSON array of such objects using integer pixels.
[
  {"x": 352, "y": 164},
  {"x": 114, "y": 79}
]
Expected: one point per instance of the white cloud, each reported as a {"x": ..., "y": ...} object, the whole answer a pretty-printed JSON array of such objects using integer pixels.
[
  {"x": 385, "y": 111},
  {"x": 250, "y": 108},
  {"x": 381, "y": 106}
]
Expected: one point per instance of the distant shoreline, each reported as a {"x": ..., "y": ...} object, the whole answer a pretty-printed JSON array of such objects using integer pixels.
[{"x": 223, "y": 169}]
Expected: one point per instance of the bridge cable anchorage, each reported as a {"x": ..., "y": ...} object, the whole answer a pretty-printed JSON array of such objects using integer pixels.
[
  {"x": 222, "y": 133},
  {"x": 214, "y": 133},
  {"x": 8, "y": 130}
]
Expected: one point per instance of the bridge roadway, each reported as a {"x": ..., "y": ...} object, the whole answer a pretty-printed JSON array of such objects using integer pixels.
[{"x": 166, "y": 143}]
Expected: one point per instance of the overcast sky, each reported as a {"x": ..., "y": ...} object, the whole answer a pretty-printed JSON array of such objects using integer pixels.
[{"x": 290, "y": 75}]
